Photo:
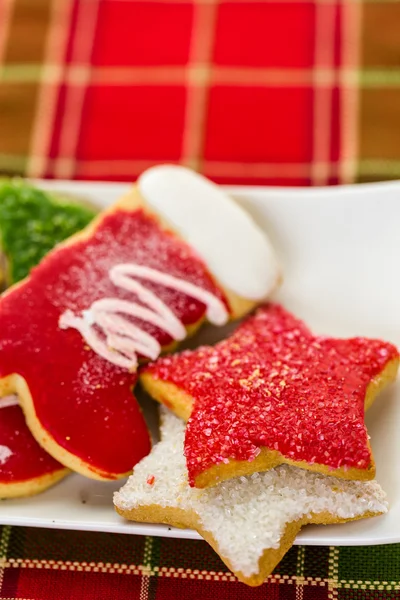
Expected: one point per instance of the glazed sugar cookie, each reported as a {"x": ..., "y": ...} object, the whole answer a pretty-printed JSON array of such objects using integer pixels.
[
  {"x": 31, "y": 223},
  {"x": 274, "y": 393},
  {"x": 129, "y": 285},
  {"x": 252, "y": 521},
  {"x": 25, "y": 468}
]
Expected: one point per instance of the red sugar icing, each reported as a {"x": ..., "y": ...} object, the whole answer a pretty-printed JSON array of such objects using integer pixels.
[
  {"x": 274, "y": 384},
  {"x": 26, "y": 459},
  {"x": 83, "y": 401}
]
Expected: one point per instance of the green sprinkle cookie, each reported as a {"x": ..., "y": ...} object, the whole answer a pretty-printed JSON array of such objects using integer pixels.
[{"x": 32, "y": 222}]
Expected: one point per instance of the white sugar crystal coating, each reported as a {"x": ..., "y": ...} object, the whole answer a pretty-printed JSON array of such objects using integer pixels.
[
  {"x": 236, "y": 251},
  {"x": 245, "y": 515}
]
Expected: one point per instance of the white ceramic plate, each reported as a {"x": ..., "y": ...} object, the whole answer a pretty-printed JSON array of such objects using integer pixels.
[{"x": 340, "y": 249}]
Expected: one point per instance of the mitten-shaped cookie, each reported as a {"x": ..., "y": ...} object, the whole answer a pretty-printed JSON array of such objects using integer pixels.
[
  {"x": 31, "y": 223},
  {"x": 173, "y": 252}
]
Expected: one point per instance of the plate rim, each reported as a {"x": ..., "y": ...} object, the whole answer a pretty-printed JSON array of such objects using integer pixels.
[{"x": 305, "y": 537}]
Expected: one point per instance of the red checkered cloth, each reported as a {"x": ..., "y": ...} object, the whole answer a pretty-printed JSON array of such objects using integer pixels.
[{"x": 257, "y": 92}]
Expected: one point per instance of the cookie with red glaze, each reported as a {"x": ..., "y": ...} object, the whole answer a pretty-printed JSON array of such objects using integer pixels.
[
  {"x": 274, "y": 393},
  {"x": 25, "y": 468},
  {"x": 136, "y": 281}
]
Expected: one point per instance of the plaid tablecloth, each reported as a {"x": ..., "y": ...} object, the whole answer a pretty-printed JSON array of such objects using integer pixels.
[
  {"x": 254, "y": 92},
  {"x": 42, "y": 564}
]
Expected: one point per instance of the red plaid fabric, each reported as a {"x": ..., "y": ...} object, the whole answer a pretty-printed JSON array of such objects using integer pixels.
[
  {"x": 256, "y": 92},
  {"x": 40, "y": 564}
]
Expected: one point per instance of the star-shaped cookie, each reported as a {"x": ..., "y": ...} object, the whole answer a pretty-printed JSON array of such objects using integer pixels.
[
  {"x": 252, "y": 521},
  {"x": 274, "y": 393}
]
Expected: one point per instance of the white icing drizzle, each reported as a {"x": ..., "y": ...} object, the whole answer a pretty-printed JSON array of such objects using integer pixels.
[
  {"x": 236, "y": 251},
  {"x": 121, "y": 340},
  {"x": 8, "y": 401}
]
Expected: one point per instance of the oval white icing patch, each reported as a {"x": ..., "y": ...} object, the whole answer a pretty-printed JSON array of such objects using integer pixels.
[{"x": 236, "y": 251}]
